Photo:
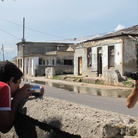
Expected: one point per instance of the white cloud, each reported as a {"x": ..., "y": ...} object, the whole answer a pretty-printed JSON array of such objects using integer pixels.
[{"x": 119, "y": 27}]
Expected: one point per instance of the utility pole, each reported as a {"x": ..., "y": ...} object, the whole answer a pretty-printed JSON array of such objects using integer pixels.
[
  {"x": 3, "y": 52},
  {"x": 23, "y": 42}
]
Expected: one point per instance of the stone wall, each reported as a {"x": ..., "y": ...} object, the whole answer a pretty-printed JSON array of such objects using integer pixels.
[
  {"x": 61, "y": 69},
  {"x": 50, "y": 72},
  {"x": 66, "y": 69},
  {"x": 112, "y": 77},
  {"x": 53, "y": 118}
]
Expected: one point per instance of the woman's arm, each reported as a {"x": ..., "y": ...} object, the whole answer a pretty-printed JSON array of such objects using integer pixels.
[{"x": 133, "y": 97}]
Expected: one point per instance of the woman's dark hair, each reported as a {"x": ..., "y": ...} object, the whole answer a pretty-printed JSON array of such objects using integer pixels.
[{"x": 9, "y": 70}]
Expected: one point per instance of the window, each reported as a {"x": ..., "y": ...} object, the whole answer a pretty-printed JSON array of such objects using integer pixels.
[
  {"x": 68, "y": 62},
  {"x": 89, "y": 57},
  {"x": 53, "y": 62},
  {"x": 110, "y": 56},
  {"x": 43, "y": 62},
  {"x": 20, "y": 63},
  {"x": 40, "y": 61}
]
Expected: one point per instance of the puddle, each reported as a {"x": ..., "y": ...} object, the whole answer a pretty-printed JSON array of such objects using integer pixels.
[{"x": 118, "y": 93}]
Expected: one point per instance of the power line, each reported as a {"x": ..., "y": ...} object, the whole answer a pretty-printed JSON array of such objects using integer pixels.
[
  {"x": 11, "y": 22},
  {"x": 43, "y": 33},
  {"x": 31, "y": 29},
  {"x": 9, "y": 34},
  {"x": 50, "y": 34}
]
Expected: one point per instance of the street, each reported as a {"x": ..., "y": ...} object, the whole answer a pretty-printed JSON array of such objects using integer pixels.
[
  {"x": 113, "y": 104},
  {"x": 117, "y": 105}
]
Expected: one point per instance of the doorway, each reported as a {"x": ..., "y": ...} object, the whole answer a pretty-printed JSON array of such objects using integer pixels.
[
  {"x": 99, "y": 59},
  {"x": 79, "y": 65}
]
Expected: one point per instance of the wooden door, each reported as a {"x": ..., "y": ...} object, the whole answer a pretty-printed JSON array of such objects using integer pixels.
[{"x": 80, "y": 66}]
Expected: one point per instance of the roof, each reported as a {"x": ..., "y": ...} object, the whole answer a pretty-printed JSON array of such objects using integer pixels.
[
  {"x": 54, "y": 43},
  {"x": 133, "y": 31}
]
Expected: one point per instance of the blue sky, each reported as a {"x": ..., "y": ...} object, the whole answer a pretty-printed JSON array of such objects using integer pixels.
[{"x": 61, "y": 20}]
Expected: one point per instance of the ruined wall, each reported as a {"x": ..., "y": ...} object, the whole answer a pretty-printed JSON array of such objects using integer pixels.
[
  {"x": 61, "y": 56},
  {"x": 117, "y": 57},
  {"x": 82, "y": 52},
  {"x": 59, "y": 70},
  {"x": 129, "y": 58},
  {"x": 50, "y": 72},
  {"x": 94, "y": 61},
  {"x": 104, "y": 44},
  {"x": 49, "y": 117}
]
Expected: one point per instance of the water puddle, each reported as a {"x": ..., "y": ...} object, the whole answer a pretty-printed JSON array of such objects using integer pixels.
[{"x": 118, "y": 93}]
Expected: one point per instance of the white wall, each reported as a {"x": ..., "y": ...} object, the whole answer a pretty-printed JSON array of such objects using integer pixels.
[
  {"x": 35, "y": 62},
  {"x": 94, "y": 59},
  {"x": 105, "y": 58}
]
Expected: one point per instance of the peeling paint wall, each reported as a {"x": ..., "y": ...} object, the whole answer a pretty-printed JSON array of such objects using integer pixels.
[
  {"x": 105, "y": 58},
  {"x": 78, "y": 53},
  {"x": 104, "y": 44},
  {"x": 61, "y": 56},
  {"x": 124, "y": 55},
  {"x": 130, "y": 55},
  {"x": 94, "y": 61},
  {"x": 84, "y": 63},
  {"x": 117, "y": 57}
]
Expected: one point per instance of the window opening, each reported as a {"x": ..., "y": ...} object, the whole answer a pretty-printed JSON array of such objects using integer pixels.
[
  {"x": 68, "y": 62},
  {"x": 89, "y": 57},
  {"x": 40, "y": 61},
  {"x": 110, "y": 56},
  {"x": 43, "y": 62},
  {"x": 53, "y": 62},
  {"x": 20, "y": 63}
]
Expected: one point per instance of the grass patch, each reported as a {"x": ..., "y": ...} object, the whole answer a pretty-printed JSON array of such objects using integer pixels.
[
  {"x": 129, "y": 78},
  {"x": 57, "y": 77},
  {"x": 62, "y": 77},
  {"x": 40, "y": 75},
  {"x": 76, "y": 78},
  {"x": 128, "y": 83}
]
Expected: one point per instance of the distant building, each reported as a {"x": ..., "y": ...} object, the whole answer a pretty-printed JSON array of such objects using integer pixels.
[
  {"x": 113, "y": 51},
  {"x": 34, "y": 57}
]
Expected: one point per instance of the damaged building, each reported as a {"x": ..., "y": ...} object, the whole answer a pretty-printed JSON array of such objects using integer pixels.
[
  {"x": 34, "y": 57},
  {"x": 117, "y": 51}
]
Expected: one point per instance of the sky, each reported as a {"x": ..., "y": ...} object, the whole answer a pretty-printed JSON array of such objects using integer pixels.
[{"x": 61, "y": 20}]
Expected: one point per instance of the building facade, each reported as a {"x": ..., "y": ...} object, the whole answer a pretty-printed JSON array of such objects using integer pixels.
[
  {"x": 34, "y": 57},
  {"x": 114, "y": 51}
]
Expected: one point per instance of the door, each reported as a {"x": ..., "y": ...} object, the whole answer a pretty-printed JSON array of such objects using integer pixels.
[
  {"x": 79, "y": 65},
  {"x": 99, "y": 59}
]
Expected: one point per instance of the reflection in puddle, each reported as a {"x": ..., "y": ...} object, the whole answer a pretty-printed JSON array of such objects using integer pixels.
[{"x": 118, "y": 93}]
